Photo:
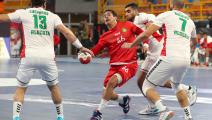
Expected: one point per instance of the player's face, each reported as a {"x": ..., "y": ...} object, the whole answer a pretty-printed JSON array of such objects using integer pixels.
[
  {"x": 130, "y": 13},
  {"x": 109, "y": 18}
]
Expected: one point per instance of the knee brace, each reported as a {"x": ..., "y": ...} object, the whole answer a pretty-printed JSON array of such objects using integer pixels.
[{"x": 146, "y": 86}]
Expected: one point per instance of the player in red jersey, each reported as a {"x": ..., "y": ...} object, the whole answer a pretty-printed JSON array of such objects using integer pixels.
[{"x": 123, "y": 62}]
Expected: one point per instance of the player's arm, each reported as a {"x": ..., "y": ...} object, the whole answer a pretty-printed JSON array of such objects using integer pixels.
[
  {"x": 98, "y": 47},
  {"x": 69, "y": 35},
  {"x": 4, "y": 18},
  {"x": 143, "y": 36}
]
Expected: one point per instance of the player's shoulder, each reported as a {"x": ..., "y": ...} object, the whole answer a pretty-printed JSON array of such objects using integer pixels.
[
  {"x": 20, "y": 10},
  {"x": 164, "y": 14}
]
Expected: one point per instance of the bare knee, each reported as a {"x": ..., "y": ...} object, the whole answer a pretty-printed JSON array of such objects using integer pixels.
[{"x": 113, "y": 82}]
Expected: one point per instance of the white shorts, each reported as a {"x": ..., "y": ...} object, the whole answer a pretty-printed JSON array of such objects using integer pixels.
[
  {"x": 29, "y": 66},
  {"x": 148, "y": 63},
  {"x": 164, "y": 70}
]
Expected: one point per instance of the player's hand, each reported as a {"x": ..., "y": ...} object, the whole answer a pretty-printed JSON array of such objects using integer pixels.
[
  {"x": 127, "y": 45},
  {"x": 83, "y": 49}
]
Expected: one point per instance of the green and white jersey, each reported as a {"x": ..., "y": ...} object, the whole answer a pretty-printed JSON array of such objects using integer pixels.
[
  {"x": 178, "y": 28},
  {"x": 38, "y": 27}
]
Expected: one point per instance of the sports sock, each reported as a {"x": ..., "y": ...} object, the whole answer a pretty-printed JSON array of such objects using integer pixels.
[
  {"x": 159, "y": 105},
  {"x": 187, "y": 112},
  {"x": 102, "y": 104},
  {"x": 16, "y": 109},
  {"x": 59, "y": 109},
  {"x": 151, "y": 104},
  {"x": 120, "y": 99}
]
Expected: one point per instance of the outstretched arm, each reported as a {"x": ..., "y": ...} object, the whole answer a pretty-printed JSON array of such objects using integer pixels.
[
  {"x": 143, "y": 36},
  {"x": 4, "y": 18},
  {"x": 69, "y": 35}
]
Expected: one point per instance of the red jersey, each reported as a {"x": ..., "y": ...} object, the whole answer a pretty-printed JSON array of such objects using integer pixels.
[{"x": 113, "y": 40}]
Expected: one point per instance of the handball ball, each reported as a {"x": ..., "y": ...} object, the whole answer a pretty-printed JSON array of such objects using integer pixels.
[{"x": 84, "y": 58}]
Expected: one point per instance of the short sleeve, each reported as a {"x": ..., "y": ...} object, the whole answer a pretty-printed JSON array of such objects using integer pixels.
[
  {"x": 16, "y": 16},
  {"x": 159, "y": 20},
  {"x": 57, "y": 21}
]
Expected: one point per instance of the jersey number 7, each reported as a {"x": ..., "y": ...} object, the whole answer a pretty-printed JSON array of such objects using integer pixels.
[{"x": 183, "y": 24}]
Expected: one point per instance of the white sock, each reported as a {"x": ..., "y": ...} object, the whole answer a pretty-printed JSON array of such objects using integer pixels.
[
  {"x": 102, "y": 104},
  {"x": 185, "y": 87},
  {"x": 207, "y": 59},
  {"x": 120, "y": 99},
  {"x": 16, "y": 109},
  {"x": 159, "y": 105},
  {"x": 187, "y": 112},
  {"x": 151, "y": 104},
  {"x": 59, "y": 109}
]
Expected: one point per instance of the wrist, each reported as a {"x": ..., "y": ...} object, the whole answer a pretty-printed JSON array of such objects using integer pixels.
[{"x": 77, "y": 44}]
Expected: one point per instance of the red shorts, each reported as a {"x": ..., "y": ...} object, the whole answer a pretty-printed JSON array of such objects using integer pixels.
[{"x": 126, "y": 71}]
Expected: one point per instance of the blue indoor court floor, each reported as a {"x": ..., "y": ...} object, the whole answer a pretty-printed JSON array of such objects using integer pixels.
[{"x": 81, "y": 87}]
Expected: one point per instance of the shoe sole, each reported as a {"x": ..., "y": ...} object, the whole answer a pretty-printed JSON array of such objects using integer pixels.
[{"x": 151, "y": 114}]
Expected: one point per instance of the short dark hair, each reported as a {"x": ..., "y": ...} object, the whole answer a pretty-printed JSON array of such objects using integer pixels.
[
  {"x": 112, "y": 11},
  {"x": 38, "y": 3},
  {"x": 132, "y": 5}
]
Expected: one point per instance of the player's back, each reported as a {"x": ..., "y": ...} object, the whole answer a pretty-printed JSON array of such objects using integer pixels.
[
  {"x": 178, "y": 29},
  {"x": 38, "y": 28},
  {"x": 155, "y": 40}
]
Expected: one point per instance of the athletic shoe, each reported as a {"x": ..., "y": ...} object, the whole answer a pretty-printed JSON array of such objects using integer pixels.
[
  {"x": 96, "y": 115},
  {"x": 149, "y": 110},
  {"x": 17, "y": 118},
  {"x": 60, "y": 118},
  {"x": 126, "y": 104},
  {"x": 192, "y": 95},
  {"x": 166, "y": 115}
]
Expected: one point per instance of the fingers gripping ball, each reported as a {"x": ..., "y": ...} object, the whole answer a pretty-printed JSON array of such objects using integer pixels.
[{"x": 84, "y": 58}]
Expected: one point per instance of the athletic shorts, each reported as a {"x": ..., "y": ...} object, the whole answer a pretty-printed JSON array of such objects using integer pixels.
[
  {"x": 164, "y": 70},
  {"x": 148, "y": 62},
  {"x": 46, "y": 67},
  {"x": 125, "y": 71}
]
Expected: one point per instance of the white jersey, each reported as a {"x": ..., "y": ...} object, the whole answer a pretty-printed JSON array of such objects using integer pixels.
[
  {"x": 178, "y": 28},
  {"x": 38, "y": 28},
  {"x": 155, "y": 43}
]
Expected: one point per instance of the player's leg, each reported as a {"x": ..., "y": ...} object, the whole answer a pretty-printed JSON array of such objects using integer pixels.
[
  {"x": 158, "y": 75},
  {"x": 49, "y": 73},
  {"x": 97, "y": 115},
  {"x": 24, "y": 74},
  {"x": 191, "y": 91},
  {"x": 57, "y": 99},
  {"x": 178, "y": 75},
  {"x": 150, "y": 109}
]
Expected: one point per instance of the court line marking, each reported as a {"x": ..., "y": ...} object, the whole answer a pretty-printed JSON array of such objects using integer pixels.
[
  {"x": 40, "y": 99},
  {"x": 203, "y": 100},
  {"x": 10, "y": 82}
]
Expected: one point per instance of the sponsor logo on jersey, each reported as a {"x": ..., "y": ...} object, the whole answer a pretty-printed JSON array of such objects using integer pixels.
[{"x": 124, "y": 30}]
